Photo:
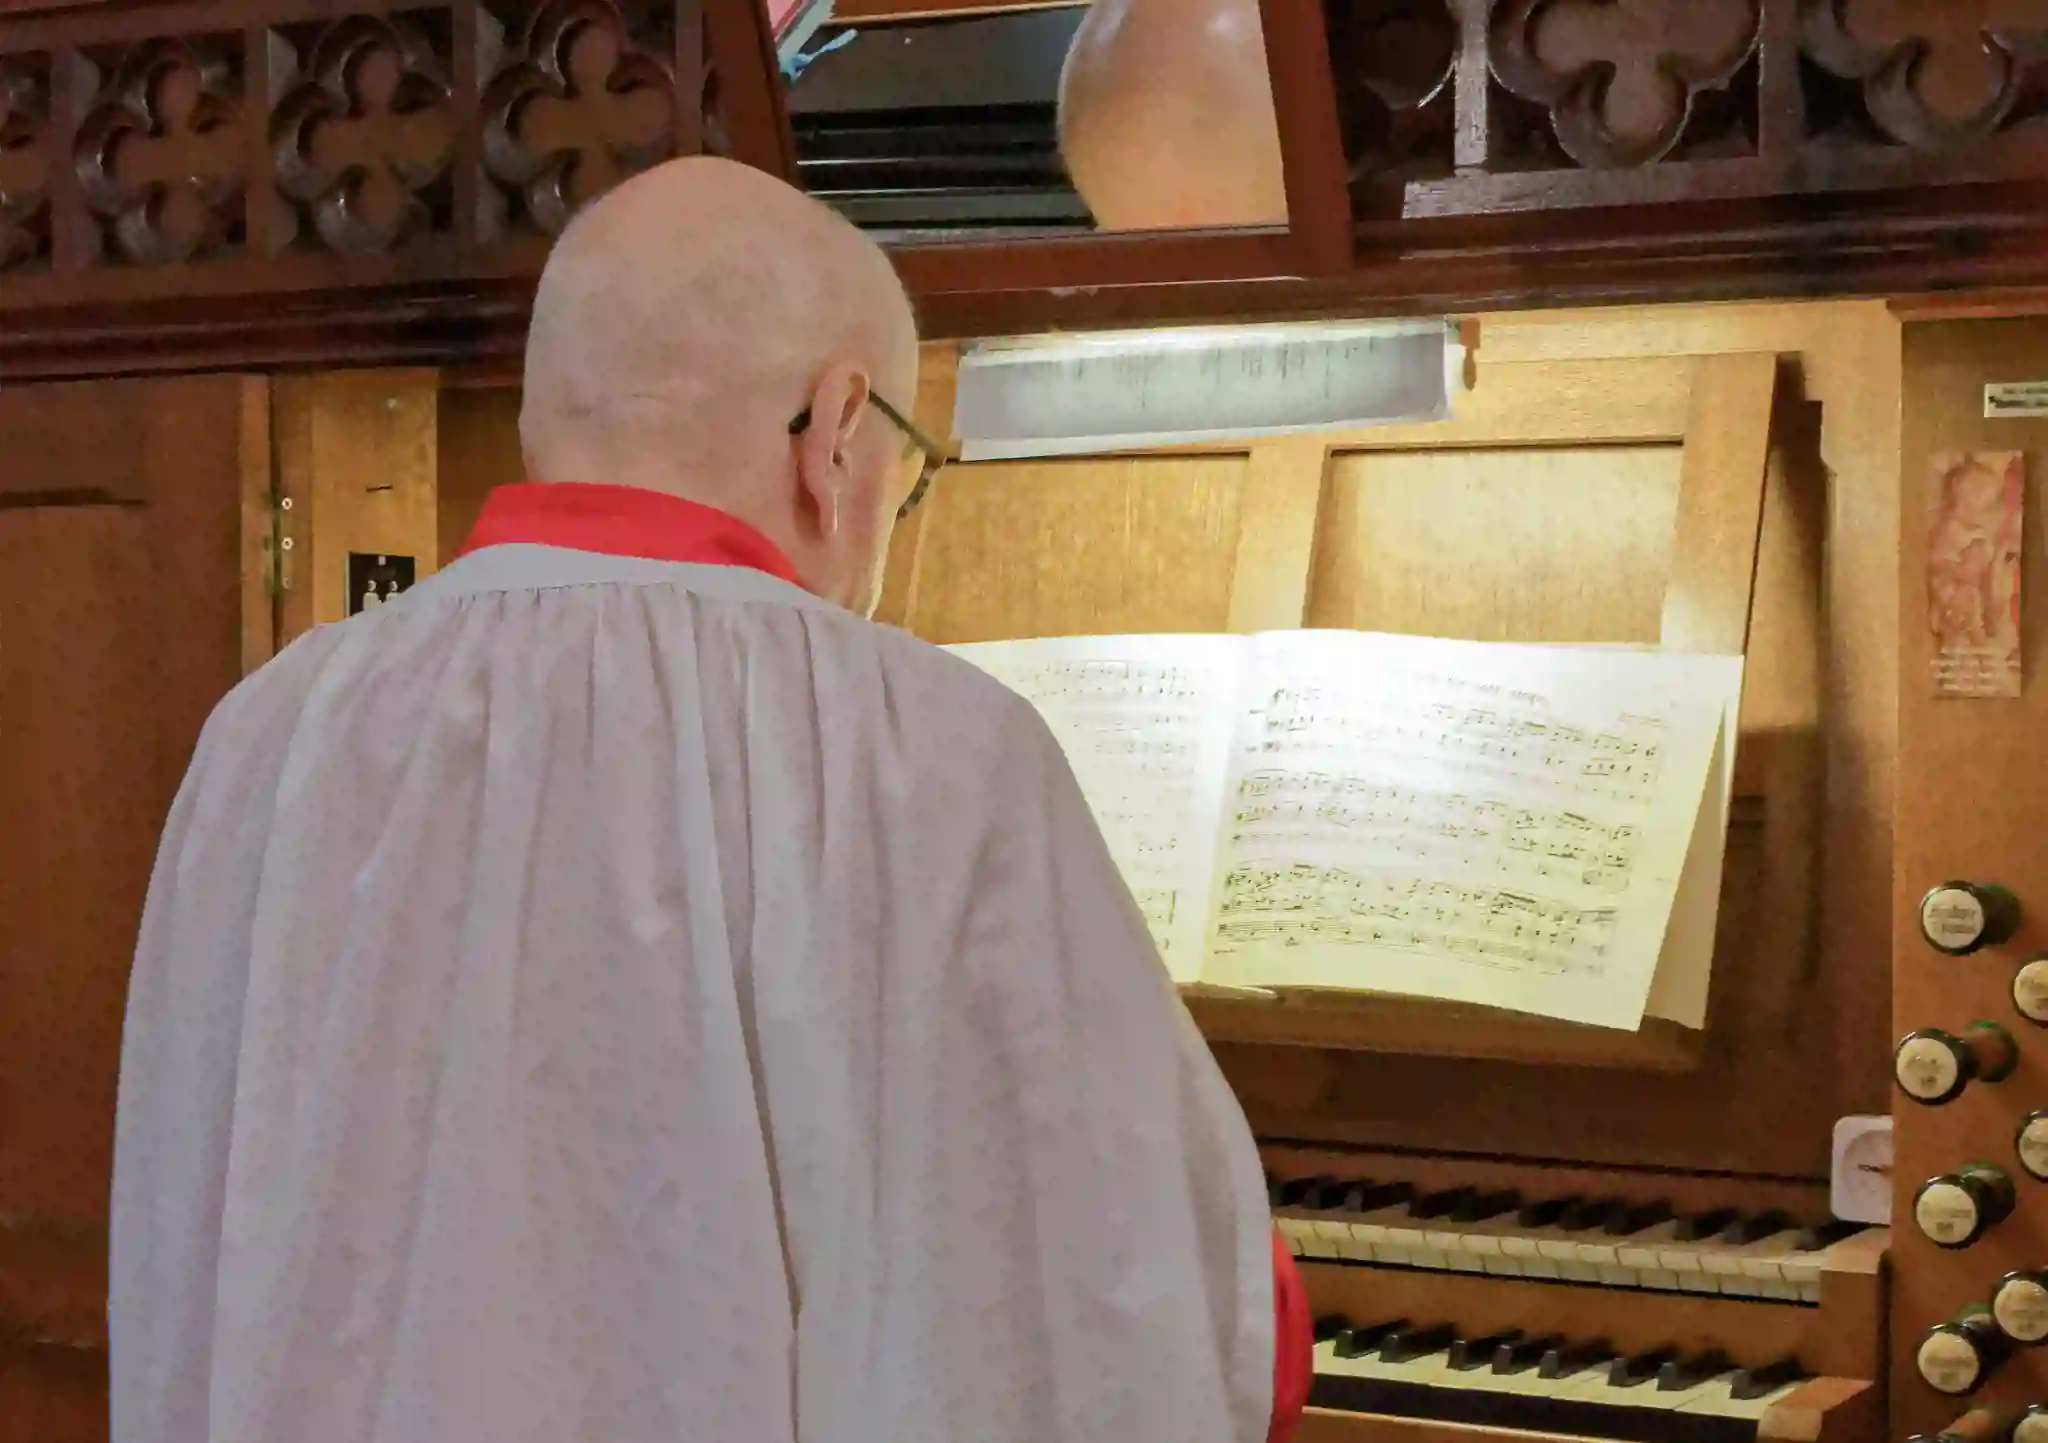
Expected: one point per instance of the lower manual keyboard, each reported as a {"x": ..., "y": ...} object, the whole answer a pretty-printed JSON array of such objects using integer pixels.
[{"x": 1551, "y": 1385}]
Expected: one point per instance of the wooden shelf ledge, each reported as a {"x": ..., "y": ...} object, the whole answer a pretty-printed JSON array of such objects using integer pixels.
[{"x": 1354, "y": 1022}]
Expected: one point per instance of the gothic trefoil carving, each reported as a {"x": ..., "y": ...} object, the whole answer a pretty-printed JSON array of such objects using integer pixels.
[
  {"x": 156, "y": 156},
  {"x": 24, "y": 163},
  {"x": 1934, "y": 77},
  {"x": 362, "y": 141},
  {"x": 579, "y": 106},
  {"x": 1620, "y": 78}
]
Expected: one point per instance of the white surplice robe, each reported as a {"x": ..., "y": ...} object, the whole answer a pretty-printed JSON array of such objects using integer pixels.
[{"x": 601, "y": 1000}]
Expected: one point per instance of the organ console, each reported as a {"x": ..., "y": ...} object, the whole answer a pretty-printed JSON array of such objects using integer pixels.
[{"x": 1510, "y": 1230}]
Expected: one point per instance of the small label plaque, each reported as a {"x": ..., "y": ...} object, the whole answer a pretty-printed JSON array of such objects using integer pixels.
[
  {"x": 374, "y": 580},
  {"x": 2004, "y": 400}
]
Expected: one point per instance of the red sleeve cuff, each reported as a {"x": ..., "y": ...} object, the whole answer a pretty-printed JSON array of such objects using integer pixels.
[{"x": 1293, "y": 1345}]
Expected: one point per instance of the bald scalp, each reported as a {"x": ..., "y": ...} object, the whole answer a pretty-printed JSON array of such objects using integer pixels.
[{"x": 682, "y": 319}]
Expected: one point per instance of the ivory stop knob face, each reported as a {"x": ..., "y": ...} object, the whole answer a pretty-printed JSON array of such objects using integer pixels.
[
  {"x": 1960, "y": 917},
  {"x": 2030, "y": 991},
  {"x": 2019, "y": 1305},
  {"x": 1950, "y": 1360},
  {"x": 2031, "y": 1144},
  {"x": 1931, "y": 1066},
  {"x": 1947, "y": 1213},
  {"x": 2032, "y": 1426},
  {"x": 1955, "y": 1209}
]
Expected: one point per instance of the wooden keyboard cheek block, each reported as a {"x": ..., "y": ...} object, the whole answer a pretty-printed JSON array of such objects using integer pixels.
[{"x": 1839, "y": 1339}]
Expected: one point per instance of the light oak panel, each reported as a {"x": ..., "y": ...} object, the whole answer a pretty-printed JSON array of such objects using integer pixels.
[
  {"x": 1074, "y": 548},
  {"x": 477, "y": 450},
  {"x": 1498, "y": 544},
  {"x": 358, "y": 458}
]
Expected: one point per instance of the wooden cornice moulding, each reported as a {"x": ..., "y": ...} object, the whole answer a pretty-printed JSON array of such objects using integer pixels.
[{"x": 193, "y": 183}]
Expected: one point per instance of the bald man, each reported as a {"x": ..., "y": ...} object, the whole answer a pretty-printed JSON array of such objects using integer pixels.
[{"x": 617, "y": 993}]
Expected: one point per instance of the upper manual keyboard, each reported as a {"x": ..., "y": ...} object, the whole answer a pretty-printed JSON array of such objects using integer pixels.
[{"x": 1604, "y": 1241}]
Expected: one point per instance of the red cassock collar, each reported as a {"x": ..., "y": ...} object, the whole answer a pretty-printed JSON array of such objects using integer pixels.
[{"x": 622, "y": 521}]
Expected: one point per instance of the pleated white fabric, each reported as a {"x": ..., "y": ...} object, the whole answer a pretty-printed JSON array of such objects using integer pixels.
[{"x": 596, "y": 1000}]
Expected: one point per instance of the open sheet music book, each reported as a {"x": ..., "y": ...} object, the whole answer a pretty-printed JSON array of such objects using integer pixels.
[{"x": 1538, "y": 828}]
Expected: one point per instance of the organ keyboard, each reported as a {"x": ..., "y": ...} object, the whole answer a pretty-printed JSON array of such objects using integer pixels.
[
  {"x": 1474, "y": 1300},
  {"x": 1546, "y": 1381},
  {"x": 1572, "y": 1239}
]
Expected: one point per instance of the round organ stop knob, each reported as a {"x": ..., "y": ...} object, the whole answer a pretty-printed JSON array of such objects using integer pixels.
[
  {"x": 2030, "y": 990},
  {"x": 1960, "y": 917},
  {"x": 2019, "y": 1305},
  {"x": 1957, "y": 1208},
  {"x": 2032, "y": 1425},
  {"x": 1955, "y": 1358},
  {"x": 2031, "y": 1143},
  {"x": 1166, "y": 116},
  {"x": 1933, "y": 1066}
]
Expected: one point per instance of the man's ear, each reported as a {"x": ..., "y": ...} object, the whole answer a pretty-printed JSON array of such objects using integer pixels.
[{"x": 839, "y": 405}]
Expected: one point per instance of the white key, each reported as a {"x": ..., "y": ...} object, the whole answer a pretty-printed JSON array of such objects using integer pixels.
[
  {"x": 1614, "y": 1253},
  {"x": 1743, "y": 1269},
  {"x": 1561, "y": 1248},
  {"x": 1724, "y": 1404},
  {"x": 1293, "y": 1228},
  {"x": 1486, "y": 1241},
  {"x": 1377, "y": 1230},
  {"x": 1315, "y": 1245}
]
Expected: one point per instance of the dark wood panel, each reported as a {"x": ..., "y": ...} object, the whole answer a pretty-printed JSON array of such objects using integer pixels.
[{"x": 121, "y": 593}]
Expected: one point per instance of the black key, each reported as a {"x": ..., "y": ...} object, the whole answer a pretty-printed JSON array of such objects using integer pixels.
[
  {"x": 1635, "y": 1219},
  {"x": 1585, "y": 1217},
  {"x": 1702, "y": 1226},
  {"x": 1546, "y": 1213},
  {"x": 1333, "y": 1193},
  {"x": 1470, "y": 1353},
  {"x": 1375, "y": 1196},
  {"x": 1755, "y": 1227},
  {"x": 1682, "y": 1373},
  {"x": 1813, "y": 1239},
  {"x": 1756, "y": 1382},
  {"x": 1405, "y": 1344},
  {"x": 1574, "y": 1358},
  {"x": 1635, "y": 1371},
  {"x": 1357, "y": 1342},
  {"x": 1294, "y": 1190},
  {"x": 1329, "y": 1325},
  {"x": 1481, "y": 1206},
  {"x": 1441, "y": 1204},
  {"x": 1525, "y": 1353}
]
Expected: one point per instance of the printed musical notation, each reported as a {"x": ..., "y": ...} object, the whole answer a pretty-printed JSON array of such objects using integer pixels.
[
  {"x": 1504, "y": 825},
  {"x": 1145, "y": 723},
  {"x": 1336, "y": 906},
  {"x": 1386, "y": 822},
  {"x": 1511, "y": 735}
]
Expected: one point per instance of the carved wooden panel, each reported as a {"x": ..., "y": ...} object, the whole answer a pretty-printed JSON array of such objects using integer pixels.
[
  {"x": 1932, "y": 75},
  {"x": 1622, "y": 82},
  {"x": 1607, "y": 104},
  {"x": 245, "y": 147},
  {"x": 24, "y": 161},
  {"x": 156, "y": 156},
  {"x": 583, "y": 98},
  {"x": 362, "y": 140},
  {"x": 1395, "y": 65}
]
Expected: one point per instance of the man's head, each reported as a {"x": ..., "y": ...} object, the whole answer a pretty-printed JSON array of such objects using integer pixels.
[{"x": 685, "y": 320}]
